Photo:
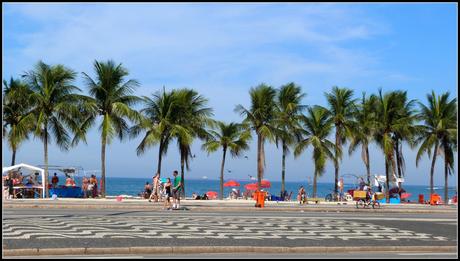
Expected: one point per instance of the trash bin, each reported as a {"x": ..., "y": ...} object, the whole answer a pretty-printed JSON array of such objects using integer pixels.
[
  {"x": 421, "y": 199},
  {"x": 260, "y": 199},
  {"x": 435, "y": 199}
]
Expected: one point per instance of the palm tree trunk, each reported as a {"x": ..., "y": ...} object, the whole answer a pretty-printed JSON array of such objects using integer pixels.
[
  {"x": 182, "y": 175},
  {"x": 336, "y": 163},
  {"x": 446, "y": 175},
  {"x": 387, "y": 180},
  {"x": 260, "y": 164},
  {"x": 314, "y": 184},
  {"x": 432, "y": 169},
  {"x": 368, "y": 166},
  {"x": 399, "y": 163},
  {"x": 102, "y": 186},
  {"x": 45, "y": 142},
  {"x": 13, "y": 157},
  {"x": 283, "y": 171},
  {"x": 222, "y": 174},
  {"x": 160, "y": 155}
]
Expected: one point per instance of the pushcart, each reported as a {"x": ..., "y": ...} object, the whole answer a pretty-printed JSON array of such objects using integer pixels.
[{"x": 363, "y": 200}]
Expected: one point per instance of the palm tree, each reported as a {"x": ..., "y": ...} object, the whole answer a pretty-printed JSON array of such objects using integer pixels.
[
  {"x": 193, "y": 116},
  {"x": 231, "y": 136},
  {"x": 17, "y": 117},
  {"x": 405, "y": 131},
  {"x": 113, "y": 100},
  {"x": 158, "y": 122},
  {"x": 392, "y": 119},
  {"x": 317, "y": 126},
  {"x": 55, "y": 106},
  {"x": 363, "y": 130},
  {"x": 341, "y": 108},
  {"x": 260, "y": 117},
  {"x": 288, "y": 111},
  {"x": 439, "y": 133}
]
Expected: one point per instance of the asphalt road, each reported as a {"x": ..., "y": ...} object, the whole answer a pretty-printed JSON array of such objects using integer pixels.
[
  {"x": 70, "y": 228},
  {"x": 363, "y": 255}
]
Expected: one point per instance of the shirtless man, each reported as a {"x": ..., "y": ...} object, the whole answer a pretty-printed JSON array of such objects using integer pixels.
[{"x": 156, "y": 188}]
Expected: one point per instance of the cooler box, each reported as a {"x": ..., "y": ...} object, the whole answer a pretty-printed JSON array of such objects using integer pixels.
[
  {"x": 359, "y": 194},
  {"x": 392, "y": 200},
  {"x": 379, "y": 195}
]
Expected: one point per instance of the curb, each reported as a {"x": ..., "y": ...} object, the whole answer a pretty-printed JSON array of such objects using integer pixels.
[
  {"x": 218, "y": 249},
  {"x": 231, "y": 208}
]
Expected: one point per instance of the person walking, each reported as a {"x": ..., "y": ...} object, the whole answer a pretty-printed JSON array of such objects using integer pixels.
[
  {"x": 167, "y": 192},
  {"x": 302, "y": 197},
  {"x": 147, "y": 191},
  {"x": 85, "y": 187},
  {"x": 93, "y": 182},
  {"x": 176, "y": 190},
  {"x": 156, "y": 188}
]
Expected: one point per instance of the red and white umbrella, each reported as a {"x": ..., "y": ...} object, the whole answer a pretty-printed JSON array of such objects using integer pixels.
[
  {"x": 211, "y": 194},
  {"x": 231, "y": 183}
]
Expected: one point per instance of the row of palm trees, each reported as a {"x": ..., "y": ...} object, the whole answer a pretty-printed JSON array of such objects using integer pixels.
[{"x": 47, "y": 105}]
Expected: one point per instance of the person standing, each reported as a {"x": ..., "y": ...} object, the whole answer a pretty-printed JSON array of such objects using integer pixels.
[
  {"x": 168, "y": 194},
  {"x": 93, "y": 182},
  {"x": 156, "y": 188},
  {"x": 9, "y": 184},
  {"x": 302, "y": 197},
  {"x": 55, "y": 180},
  {"x": 147, "y": 190},
  {"x": 176, "y": 190},
  {"x": 340, "y": 196},
  {"x": 85, "y": 187}
]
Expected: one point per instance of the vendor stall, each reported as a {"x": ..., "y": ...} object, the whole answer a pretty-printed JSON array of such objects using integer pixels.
[{"x": 31, "y": 185}]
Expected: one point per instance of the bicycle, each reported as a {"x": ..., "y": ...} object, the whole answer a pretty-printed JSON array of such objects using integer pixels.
[
  {"x": 334, "y": 197},
  {"x": 367, "y": 201}
]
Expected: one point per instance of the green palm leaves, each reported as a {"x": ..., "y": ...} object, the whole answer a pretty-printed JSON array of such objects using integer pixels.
[
  {"x": 288, "y": 112},
  {"x": 112, "y": 100},
  {"x": 233, "y": 137},
  {"x": 178, "y": 114},
  {"x": 341, "y": 108},
  {"x": 159, "y": 123},
  {"x": 316, "y": 127},
  {"x": 18, "y": 119},
  {"x": 363, "y": 129},
  {"x": 260, "y": 118},
  {"x": 439, "y": 133},
  {"x": 55, "y": 105}
]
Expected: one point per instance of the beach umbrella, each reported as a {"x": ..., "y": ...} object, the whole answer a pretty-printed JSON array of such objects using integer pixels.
[
  {"x": 265, "y": 184},
  {"x": 231, "y": 183},
  {"x": 251, "y": 186},
  {"x": 405, "y": 195},
  {"x": 211, "y": 194}
]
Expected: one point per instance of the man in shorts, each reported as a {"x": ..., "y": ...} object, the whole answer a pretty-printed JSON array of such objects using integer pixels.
[
  {"x": 156, "y": 188},
  {"x": 177, "y": 187}
]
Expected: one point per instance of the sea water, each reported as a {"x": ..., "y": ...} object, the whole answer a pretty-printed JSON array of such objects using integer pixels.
[{"x": 134, "y": 186}]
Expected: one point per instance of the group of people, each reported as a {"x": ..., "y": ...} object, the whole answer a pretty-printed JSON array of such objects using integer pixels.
[
  {"x": 166, "y": 190},
  {"x": 18, "y": 179},
  {"x": 90, "y": 187},
  {"x": 69, "y": 181}
]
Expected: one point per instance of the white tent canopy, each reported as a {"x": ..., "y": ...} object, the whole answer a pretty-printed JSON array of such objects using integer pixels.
[{"x": 30, "y": 167}]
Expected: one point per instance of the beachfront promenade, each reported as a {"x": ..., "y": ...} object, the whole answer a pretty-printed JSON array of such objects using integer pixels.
[{"x": 137, "y": 227}]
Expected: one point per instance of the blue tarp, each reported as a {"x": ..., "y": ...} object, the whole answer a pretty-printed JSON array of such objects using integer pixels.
[
  {"x": 392, "y": 201},
  {"x": 67, "y": 192}
]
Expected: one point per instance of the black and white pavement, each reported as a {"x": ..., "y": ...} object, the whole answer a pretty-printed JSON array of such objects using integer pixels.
[{"x": 71, "y": 228}]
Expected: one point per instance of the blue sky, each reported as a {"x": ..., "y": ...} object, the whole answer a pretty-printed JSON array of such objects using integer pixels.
[{"x": 222, "y": 50}]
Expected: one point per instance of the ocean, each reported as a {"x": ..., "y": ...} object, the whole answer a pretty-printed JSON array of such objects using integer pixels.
[{"x": 134, "y": 186}]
